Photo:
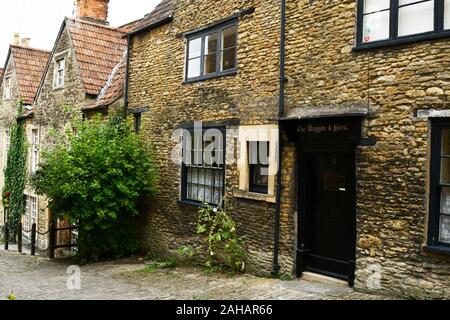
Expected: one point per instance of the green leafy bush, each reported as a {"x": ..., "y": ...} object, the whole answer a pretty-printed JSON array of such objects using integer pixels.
[
  {"x": 95, "y": 178},
  {"x": 225, "y": 247}
]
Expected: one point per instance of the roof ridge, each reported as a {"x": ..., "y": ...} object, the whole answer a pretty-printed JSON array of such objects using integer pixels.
[
  {"x": 128, "y": 23},
  {"x": 29, "y": 48},
  {"x": 96, "y": 24}
]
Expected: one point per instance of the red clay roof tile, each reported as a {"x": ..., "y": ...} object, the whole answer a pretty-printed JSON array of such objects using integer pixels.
[
  {"x": 98, "y": 49},
  {"x": 30, "y": 65}
]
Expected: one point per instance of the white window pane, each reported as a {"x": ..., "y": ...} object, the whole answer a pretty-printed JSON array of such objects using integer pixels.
[
  {"x": 444, "y": 229},
  {"x": 194, "y": 68},
  {"x": 375, "y": 5},
  {"x": 376, "y": 26},
  {"x": 445, "y": 200},
  {"x": 447, "y": 14},
  {"x": 417, "y": 18},
  {"x": 195, "y": 48}
]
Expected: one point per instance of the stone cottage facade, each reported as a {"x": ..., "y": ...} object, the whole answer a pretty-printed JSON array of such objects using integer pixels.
[
  {"x": 363, "y": 188},
  {"x": 82, "y": 75},
  {"x": 24, "y": 68}
]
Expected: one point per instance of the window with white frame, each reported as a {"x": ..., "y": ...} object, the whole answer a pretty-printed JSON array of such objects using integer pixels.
[
  {"x": 7, "y": 89},
  {"x": 401, "y": 20},
  {"x": 60, "y": 66},
  {"x": 34, "y": 150},
  {"x": 30, "y": 214}
]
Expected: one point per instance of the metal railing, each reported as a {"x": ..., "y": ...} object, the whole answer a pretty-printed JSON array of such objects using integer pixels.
[{"x": 52, "y": 233}]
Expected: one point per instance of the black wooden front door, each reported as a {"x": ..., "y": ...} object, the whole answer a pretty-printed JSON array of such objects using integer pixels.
[{"x": 328, "y": 213}]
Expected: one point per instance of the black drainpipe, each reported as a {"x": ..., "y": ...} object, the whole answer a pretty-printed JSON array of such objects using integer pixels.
[
  {"x": 276, "y": 246},
  {"x": 127, "y": 73}
]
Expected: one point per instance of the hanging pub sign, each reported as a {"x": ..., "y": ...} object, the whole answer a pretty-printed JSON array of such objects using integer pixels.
[{"x": 329, "y": 130}]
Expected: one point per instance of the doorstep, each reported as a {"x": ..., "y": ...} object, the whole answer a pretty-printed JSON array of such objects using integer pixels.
[{"x": 319, "y": 278}]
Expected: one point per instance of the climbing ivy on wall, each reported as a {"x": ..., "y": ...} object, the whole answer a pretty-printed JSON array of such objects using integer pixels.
[{"x": 16, "y": 174}]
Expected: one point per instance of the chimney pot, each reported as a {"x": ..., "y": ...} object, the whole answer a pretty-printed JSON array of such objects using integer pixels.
[
  {"x": 26, "y": 42},
  {"x": 96, "y": 10},
  {"x": 16, "y": 40}
]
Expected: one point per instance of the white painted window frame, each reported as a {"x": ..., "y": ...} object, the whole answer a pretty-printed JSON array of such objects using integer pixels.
[
  {"x": 7, "y": 88},
  {"x": 58, "y": 81},
  {"x": 34, "y": 139}
]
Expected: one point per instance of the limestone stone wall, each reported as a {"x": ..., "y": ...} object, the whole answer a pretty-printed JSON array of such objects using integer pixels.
[
  {"x": 392, "y": 176},
  {"x": 323, "y": 72},
  {"x": 157, "y": 81}
]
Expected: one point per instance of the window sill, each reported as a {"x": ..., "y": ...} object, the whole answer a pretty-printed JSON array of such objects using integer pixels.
[
  {"x": 406, "y": 40},
  {"x": 253, "y": 196},
  {"x": 58, "y": 88},
  {"x": 214, "y": 76},
  {"x": 437, "y": 249},
  {"x": 190, "y": 203}
]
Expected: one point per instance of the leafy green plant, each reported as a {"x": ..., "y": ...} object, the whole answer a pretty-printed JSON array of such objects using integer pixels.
[
  {"x": 186, "y": 251},
  {"x": 11, "y": 296},
  {"x": 15, "y": 175},
  {"x": 95, "y": 176},
  {"x": 161, "y": 264},
  {"x": 225, "y": 247}
]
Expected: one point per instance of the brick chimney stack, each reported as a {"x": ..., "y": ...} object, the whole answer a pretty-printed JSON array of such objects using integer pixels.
[{"x": 95, "y": 10}]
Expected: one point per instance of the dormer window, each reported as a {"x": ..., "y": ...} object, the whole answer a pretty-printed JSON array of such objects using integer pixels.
[
  {"x": 7, "y": 89},
  {"x": 60, "y": 65},
  {"x": 385, "y": 22},
  {"x": 211, "y": 53}
]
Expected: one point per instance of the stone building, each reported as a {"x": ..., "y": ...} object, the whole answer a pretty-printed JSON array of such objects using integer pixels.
[
  {"x": 81, "y": 76},
  {"x": 23, "y": 71},
  {"x": 362, "y": 189},
  {"x": 84, "y": 75}
]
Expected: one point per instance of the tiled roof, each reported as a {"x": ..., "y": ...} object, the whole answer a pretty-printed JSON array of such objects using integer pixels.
[
  {"x": 98, "y": 49},
  {"x": 114, "y": 88},
  {"x": 30, "y": 65},
  {"x": 162, "y": 11},
  {"x": 131, "y": 25}
]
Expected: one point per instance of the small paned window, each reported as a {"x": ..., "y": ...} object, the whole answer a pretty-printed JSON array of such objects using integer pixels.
[
  {"x": 34, "y": 150},
  {"x": 383, "y": 21},
  {"x": 137, "y": 122},
  {"x": 258, "y": 152},
  {"x": 203, "y": 166},
  {"x": 439, "y": 224},
  {"x": 59, "y": 73},
  {"x": 212, "y": 53},
  {"x": 7, "y": 89}
]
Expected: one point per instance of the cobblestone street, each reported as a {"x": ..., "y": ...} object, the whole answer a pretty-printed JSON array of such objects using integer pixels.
[{"x": 38, "y": 278}]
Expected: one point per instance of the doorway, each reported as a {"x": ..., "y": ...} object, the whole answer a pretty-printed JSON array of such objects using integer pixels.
[{"x": 327, "y": 209}]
